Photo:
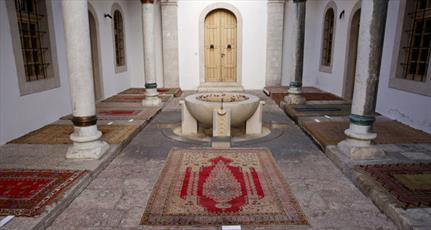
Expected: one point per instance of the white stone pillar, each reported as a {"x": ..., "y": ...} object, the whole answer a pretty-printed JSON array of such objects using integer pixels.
[
  {"x": 274, "y": 54},
  {"x": 170, "y": 43},
  {"x": 151, "y": 94},
  {"x": 370, "y": 46},
  {"x": 298, "y": 28},
  {"x": 86, "y": 136}
]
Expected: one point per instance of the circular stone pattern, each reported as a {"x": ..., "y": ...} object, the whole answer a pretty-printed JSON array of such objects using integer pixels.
[{"x": 241, "y": 105}]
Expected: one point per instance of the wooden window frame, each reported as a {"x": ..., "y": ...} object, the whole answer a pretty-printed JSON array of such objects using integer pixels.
[
  {"x": 122, "y": 67},
  {"x": 398, "y": 78},
  {"x": 28, "y": 84},
  {"x": 328, "y": 38}
]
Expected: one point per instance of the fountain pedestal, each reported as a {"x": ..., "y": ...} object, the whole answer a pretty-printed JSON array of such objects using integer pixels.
[{"x": 221, "y": 111}]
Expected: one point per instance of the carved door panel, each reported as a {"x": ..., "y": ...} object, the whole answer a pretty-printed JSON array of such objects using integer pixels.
[{"x": 220, "y": 47}]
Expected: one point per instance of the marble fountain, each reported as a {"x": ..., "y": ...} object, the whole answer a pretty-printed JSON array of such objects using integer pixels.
[{"x": 221, "y": 116}]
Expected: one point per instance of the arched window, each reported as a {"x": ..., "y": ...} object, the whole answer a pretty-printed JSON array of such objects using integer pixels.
[
  {"x": 328, "y": 38},
  {"x": 120, "y": 57}
]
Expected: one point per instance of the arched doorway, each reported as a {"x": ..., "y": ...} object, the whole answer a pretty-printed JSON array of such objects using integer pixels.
[
  {"x": 97, "y": 83},
  {"x": 349, "y": 80},
  {"x": 220, "y": 46}
]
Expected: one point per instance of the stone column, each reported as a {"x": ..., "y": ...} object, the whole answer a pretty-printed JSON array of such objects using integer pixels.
[
  {"x": 170, "y": 43},
  {"x": 370, "y": 46},
  {"x": 274, "y": 55},
  {"x": 86, "y": 136},
  {"x": 151, "y": 94},
  {"x": 298, "y": 28}
]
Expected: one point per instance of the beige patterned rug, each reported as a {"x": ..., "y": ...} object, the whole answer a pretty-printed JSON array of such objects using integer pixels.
[
  {"x": 59, "y": 134},
  {"x": 133, "y": 98},
  {"x": 388, "y": 132},
  {"x": 123, "y": 114},
  {"x": 174, "y": 91},
  {"x": 203, "y": 186}
]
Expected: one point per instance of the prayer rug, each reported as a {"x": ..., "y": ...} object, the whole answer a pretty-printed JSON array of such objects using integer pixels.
[
  {"x": 174, "y": 91},
  {"x": 221, "y": 187},
  {"x": 388, "y": 132},
  {"x": 123, "y": 114},
  {"x": 26, "y": 192},
  {"x": 133, "y": 98},
  {"x": 410, "y": 184},
  {"x": 298, "y": 111},
  {"x": 59, "y": 134},
  {"x": 269, "y": 90},
  {"x": 321, "y": 96},
  {"x": 133, "y": 91},
  {"x": 309, "y": 96}
]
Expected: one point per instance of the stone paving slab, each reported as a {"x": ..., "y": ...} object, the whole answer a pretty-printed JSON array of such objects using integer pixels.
[
  {"x": 116, "y": 198},
  {"x": 40, "y": 156},
  {"x": 415, "y": 218}
]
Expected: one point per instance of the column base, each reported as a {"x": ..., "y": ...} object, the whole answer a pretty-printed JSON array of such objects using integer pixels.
[
  {"x": 349, "y": 147},
  {"x": 151, "y": 97},
  {"x": 87, "y": 150},
  {"x": 86, "y": 144},
  {"x": 358, "y": 143},
  {"x": 294, "y": 96},
  {"x": 151, "y": 101}
]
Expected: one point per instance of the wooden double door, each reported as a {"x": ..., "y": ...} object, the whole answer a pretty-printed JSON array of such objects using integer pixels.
[{"x": 220, "y": 46}]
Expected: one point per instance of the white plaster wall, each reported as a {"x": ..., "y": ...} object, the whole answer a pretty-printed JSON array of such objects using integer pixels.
[
  {"x": 114, "y": 82},
  {"x": 136, "y": 50},
  {"x": 21, "y": 114},
  {"x": 409, "y": 108},
  {"x": 331, "y": 82},
  {"x": 254, "y": 15}
]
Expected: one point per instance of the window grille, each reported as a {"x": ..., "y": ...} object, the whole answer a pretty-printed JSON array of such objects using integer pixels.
[
  {"x": 418, "y": 31},
  {"x": 328, "y": 31},
  {"x": 34, "y": 39},
  {"x": 119, "y": 39}
]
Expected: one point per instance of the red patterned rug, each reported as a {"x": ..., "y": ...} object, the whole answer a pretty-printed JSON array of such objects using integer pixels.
[
  {"x": 221, "y": 187},
  {"x": 174, "y": 91},
  {"x": 133, "y": 98},
  {"x": 410, "y": 184},
  {"x": 26, "y": 192}
]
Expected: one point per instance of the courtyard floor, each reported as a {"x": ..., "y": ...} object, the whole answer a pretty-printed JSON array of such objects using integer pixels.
[
  {"x": 117, "y": 197},
  {"x": 114, "y": 191}
]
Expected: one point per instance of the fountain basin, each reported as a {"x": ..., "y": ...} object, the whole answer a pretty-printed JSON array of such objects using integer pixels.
[{"x": 241, "y": 105}]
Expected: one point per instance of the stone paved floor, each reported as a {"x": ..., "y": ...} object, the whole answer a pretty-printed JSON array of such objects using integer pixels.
[{"x": 117, "y": 197}]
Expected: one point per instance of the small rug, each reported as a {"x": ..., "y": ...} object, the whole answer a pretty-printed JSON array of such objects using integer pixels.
[
  {"x": 410, "y": 184},
  {"x": 298, "y": 111},
  {"x": 309, "y": 96},
  {"x": 26, "y": 192},
  {"x": 269, "y": 90},
  {"x": 59, "y": 134},
  {"x": 321, "y": 96},
  {"x": 388, "y": 132},
  {"x": 133, "y": 98},
  {"x": 123, "y": 114},
  {"x": 174, "y": 91},
  {"x": 221, "y": 187}
]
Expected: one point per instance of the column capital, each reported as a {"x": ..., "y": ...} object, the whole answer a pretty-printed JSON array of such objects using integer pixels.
[{"x": 147, "y": 1}]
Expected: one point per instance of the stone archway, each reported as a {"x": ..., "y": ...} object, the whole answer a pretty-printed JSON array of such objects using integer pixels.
[
  {"x": 94, "y": 41},
  {"x": 227, "y": 85},
  {"x": 352, "y": 52}
]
